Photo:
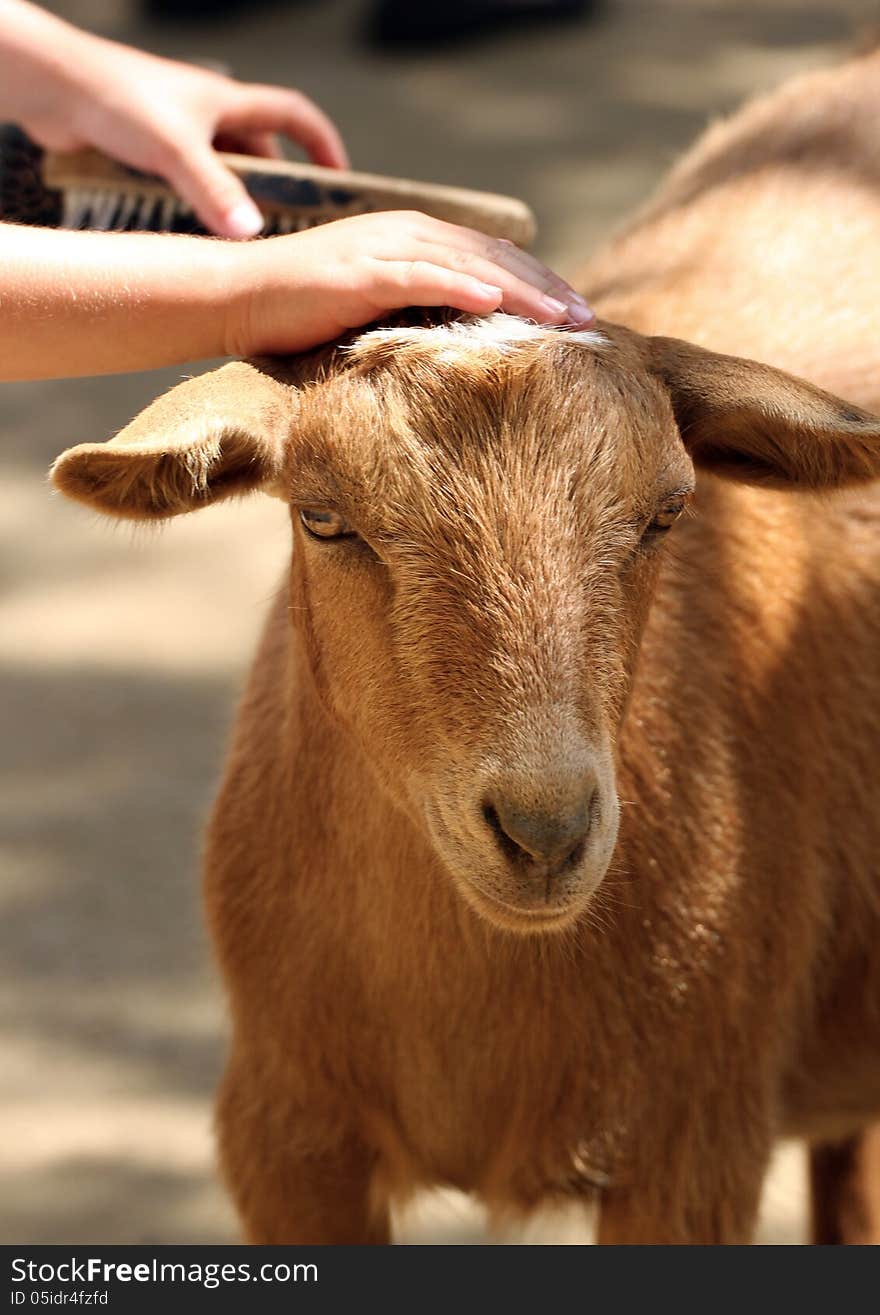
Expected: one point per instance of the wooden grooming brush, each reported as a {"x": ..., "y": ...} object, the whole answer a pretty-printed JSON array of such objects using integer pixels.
[{"x": 86, "y": 190}]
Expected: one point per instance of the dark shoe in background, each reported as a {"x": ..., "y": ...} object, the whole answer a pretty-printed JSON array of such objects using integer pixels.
[{"x": 416, "y": 24}]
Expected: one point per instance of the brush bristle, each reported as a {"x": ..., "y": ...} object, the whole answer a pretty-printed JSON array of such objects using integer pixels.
[{"x": 98, "y": 208}]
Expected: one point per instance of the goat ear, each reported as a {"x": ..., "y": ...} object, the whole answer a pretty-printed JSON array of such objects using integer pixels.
[
  {"x": 209, "y": 438},
  {"x": 762, "y": 426}
]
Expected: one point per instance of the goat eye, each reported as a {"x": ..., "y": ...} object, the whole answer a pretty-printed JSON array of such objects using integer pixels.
[
  {"x": 666, "y": 516},
  {"x": 324, "y": 524}
]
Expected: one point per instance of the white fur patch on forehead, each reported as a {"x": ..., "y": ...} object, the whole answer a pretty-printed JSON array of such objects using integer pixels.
[{"x": 470, "y": 338}]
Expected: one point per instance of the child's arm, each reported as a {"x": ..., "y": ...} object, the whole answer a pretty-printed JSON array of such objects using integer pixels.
[
  {"x": 98, "y": 303},
  {"x": 69, "y": 89}
]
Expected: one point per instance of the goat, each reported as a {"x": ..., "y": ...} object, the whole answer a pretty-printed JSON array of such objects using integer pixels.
[{"x": 545, "y": 861}]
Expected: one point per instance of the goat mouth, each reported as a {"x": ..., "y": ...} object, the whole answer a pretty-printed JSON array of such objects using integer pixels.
[{"x": 523, "y": 918}]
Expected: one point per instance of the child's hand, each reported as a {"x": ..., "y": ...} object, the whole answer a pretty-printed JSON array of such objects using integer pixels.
[
  {"x": 76, "y": 90},
  {"x": 292, "y": 293},
  {"x": 97, "y": 303}
]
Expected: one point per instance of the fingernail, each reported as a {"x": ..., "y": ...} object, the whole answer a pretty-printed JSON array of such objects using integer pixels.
[
  {"x": 490, "y": 290},
  {"x": 557, "y": 310},
  {"x": 579, "y": 312},
  {"x": 243, "y": 220}
]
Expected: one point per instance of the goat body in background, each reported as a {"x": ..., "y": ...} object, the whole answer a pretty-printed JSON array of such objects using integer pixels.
[{"x": 545, "y": 862}]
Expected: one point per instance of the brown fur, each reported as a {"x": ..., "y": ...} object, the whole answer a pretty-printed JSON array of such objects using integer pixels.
[{"x": 411, "y": 1004}]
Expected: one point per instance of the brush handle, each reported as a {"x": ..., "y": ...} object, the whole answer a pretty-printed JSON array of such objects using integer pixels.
[{"x": 312, "y": 193}]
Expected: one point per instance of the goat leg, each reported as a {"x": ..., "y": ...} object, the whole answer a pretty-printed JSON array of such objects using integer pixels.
[
  {"x": 845, "y": 1190},
  {"x": 702, "y": 1189},
  {"x": 289, "y": 1185}
]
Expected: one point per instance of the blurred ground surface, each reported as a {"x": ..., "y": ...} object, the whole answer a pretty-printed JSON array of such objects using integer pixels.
[{"x": 121, "y": 654}]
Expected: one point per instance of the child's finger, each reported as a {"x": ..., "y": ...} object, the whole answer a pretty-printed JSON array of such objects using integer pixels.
[
  {"x": 275, "y": 109},
  {"x": 503, "y": 255},
  {"x": 403, "y": 283},
  {"x": 521, "y": 297},
  {"x": 219, "y": 199},
  {"x": 527, "y": 267}
]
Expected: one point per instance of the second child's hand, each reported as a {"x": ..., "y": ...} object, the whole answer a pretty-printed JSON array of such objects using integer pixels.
[{"x": 69, "y": 89}]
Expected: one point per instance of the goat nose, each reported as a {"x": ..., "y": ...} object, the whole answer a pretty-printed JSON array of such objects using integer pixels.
[{"x": 541, "y": 837}]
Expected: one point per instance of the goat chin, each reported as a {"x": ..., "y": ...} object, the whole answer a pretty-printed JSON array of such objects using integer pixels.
[{"x": 522, "y": 921}]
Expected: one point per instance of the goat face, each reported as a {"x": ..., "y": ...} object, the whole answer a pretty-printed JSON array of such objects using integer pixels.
[
  {"x": 479, "y": 512},
  {"x": 477, "y": 533}
]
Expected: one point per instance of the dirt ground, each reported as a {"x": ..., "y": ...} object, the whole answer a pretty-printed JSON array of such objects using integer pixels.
[{"x": 121, "y": 653}]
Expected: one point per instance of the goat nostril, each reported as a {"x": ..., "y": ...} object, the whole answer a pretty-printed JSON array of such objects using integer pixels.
[
  {"x": 542, "y": 838},
  {"x": 493, "y": 821}
]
